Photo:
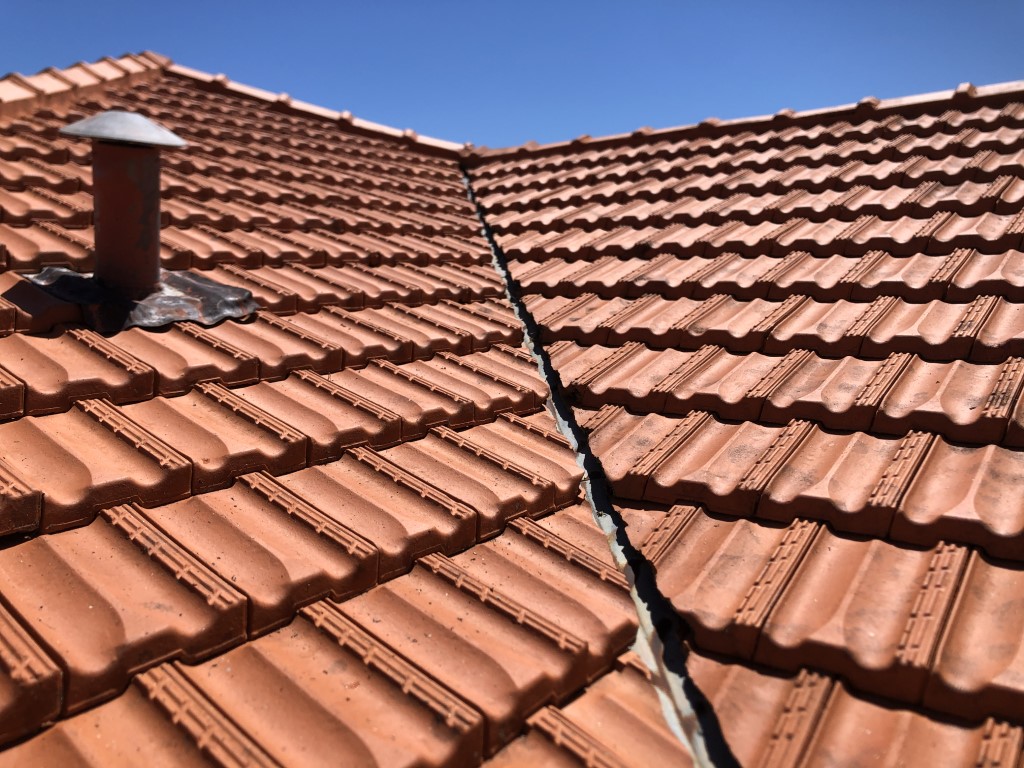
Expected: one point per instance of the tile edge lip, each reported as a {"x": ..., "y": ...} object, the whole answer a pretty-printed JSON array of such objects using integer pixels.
[
  {"x": 869, "y": 104},
  {"x": 296, "y": 106}
]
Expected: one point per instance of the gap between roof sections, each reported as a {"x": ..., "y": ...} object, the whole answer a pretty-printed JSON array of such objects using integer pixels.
[{"x": 659, "y": 639}]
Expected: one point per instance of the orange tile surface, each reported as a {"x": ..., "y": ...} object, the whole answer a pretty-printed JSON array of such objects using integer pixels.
[
  {"x": 347, "y": 525},
  {"x": 796, "y": 343}
]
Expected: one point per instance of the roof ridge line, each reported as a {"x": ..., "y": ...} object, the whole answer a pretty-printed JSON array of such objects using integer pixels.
[
  {"x": 20, "y": 94},
  {"x": 345, "y": 118},
  {"x": 963, "y": 93}
]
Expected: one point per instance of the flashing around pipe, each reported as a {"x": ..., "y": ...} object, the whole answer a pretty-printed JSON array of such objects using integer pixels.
[
  {"x": 176, "y": 297},
  {"x": 129, "y": 288}
]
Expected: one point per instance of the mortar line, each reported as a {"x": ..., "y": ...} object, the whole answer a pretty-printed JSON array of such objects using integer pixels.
[{"x": 661, "y": 631}]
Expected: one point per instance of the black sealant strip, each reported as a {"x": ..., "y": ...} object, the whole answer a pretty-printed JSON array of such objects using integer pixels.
[{"x": 695, "y": 720}]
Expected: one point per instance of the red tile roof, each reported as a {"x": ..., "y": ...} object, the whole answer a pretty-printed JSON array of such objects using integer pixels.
[
  {"x": 348, "y": 525},
  {"x": 798, "y": 339}
]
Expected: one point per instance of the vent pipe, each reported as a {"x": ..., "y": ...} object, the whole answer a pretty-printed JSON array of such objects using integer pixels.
[
  {"x": 126, "y": 194},
  {"x": 128, "y": 287}
]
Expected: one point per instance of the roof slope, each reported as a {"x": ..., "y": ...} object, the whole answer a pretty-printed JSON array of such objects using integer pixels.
[
  {"x": 797, "y": 343},
  {"x": 349, "y": 526},
  {"x": 345, "y": 526}
]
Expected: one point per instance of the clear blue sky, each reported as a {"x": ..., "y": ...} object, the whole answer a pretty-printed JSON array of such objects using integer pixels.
[{"x": 501, "y": 73}]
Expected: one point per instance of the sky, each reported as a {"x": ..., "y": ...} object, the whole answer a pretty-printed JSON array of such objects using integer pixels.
[{"x": 502, "y": 73}]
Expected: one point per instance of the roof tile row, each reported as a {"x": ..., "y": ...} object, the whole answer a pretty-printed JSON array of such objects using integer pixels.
[
  {"x": 987, "y": 329},
  {"x": 917, "y": 489},
  {"x": 76, "y": 211},
  {"x": 229, "y": 119},
  {"x": 59, "y": 167},
  {"x": 617, "y": 721},
  {"x": 267, "y": 347},
  {"x": 964, "y": 402},
  {"x": 56, "y": 86},
  {"x": 296, "y": 121},
  {"x": 767, "y": 592},
  {"x": 45, "y": 243},
  {"x": 300, "y": 288},
  {"x": 939, "y": 235},
  {"x": 240, "y": 561},
  {"x": 935, "y": 135},
  {"x": 960, "y": 276},
  {"x": 654, "y": 184},
  {"x": 809, "y": 718},
  {"x": 63, "y": 467},
  {"x": 900, "y": 158},
  {"x": 408, "y": 641},
  {"x": 283, "y": 290},
  {"x": 969, "y": 198},
  {"x": 35, "y": 154}
]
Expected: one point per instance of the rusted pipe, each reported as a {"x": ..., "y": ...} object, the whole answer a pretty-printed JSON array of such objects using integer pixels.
[
  {"x": 128, "y": 287},
  {"x": 126, "y": 200}
]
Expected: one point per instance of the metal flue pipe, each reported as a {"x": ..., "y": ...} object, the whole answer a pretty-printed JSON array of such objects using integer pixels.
[{"x": 126, "y": 198}]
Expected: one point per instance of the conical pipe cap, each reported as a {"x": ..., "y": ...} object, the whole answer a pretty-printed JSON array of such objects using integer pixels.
[{"x": 121, "y": 127}]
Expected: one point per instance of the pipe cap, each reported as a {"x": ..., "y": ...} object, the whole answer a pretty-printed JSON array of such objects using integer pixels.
[{"x": 122, "y": 127}]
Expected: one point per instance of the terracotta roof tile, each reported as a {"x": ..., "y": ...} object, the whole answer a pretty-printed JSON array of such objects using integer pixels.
[
  {"x": 111, "y": 597},
  {"x": 966, "y": 402},
  {"x": 797, "y": 335},
  {"x": 615, "y": 722},
  {"x": 753, "y": 590},
  {"x": 444, "y": 620},
  {"x": 782, "y": 719},
  {"x": 346, "y": 525},
  {"x": 354, "y": 438}
]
